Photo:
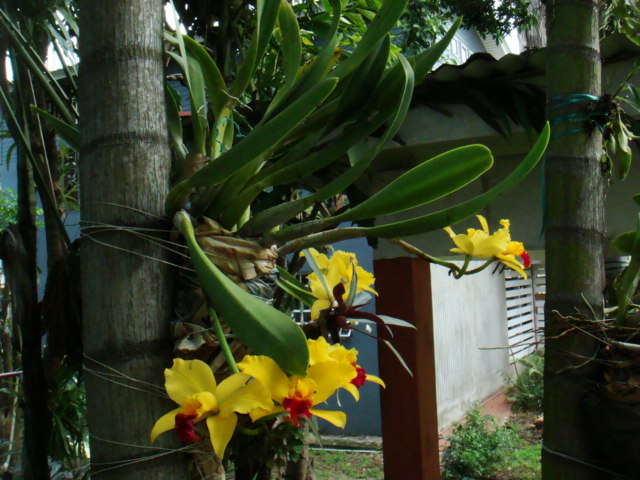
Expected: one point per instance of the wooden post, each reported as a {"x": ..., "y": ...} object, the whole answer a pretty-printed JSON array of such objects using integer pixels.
[{"x": 408, "y": 404}]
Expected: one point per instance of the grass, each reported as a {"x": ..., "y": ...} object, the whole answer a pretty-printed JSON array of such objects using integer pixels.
[
  {"x": 347, "y": 465},
  {"x": 522, "y": 464}
]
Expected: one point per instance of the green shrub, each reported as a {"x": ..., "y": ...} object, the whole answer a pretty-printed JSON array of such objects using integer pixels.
[
  {"x": 527, "y": 390},
  {"x": 477, "y": 448}
]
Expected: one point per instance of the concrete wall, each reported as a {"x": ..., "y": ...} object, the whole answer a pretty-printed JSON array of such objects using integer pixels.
[{"x": 469, "y": 315}]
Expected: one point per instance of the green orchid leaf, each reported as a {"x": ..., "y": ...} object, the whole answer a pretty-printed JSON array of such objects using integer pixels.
[
  {"x": 636, "y": 198},
  {"x": 318, "y": 271},
  {"x": 174, "y": 123},
  {"x": 629, "y": 280},
  {"x": 69, "y": 133},
  {"x": 362, "y": 81},
  {"x": 294, "y": 287},
  {"x": 300, "y": 239},
  {"x": 425, "y": 183},
  {"x": 198, "y": 97},
  {"x": 312, "y": 73},
  {"x": 455, "y": 214},
  {"x": 38, "y": 69},
  {"x": 384, "y": 21},
  {"x": 259, "y": 141},
  {"x": 396, "y": 88},
  {"x": 213, "y": 80},
  {"x": 262, "y": 328},
  {"x": 353, "y": 286},
  {"x": 424, "y": 61},
  {"x": 267, "y": 13},
  {"x": 624, "y": 242},
  {"x": 309, "y": 74},
  {"x": 290, "y": 43}
]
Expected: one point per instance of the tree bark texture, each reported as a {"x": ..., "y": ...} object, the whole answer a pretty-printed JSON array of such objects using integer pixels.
[
  {"x": 574, "y": 183},
  {"x": 126, "y": 289}
]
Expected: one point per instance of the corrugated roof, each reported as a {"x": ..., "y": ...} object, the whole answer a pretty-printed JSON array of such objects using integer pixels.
[{"x": 529, "y": 63}]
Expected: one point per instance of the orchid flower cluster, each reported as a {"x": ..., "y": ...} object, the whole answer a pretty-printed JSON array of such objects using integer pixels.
[
  {"x": 492, "y": 246},
  {"x": 261, "y": 389}
]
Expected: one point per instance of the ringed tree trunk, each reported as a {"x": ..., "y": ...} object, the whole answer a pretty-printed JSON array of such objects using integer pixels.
[
  {"x": 126, "y": 289},
  {"x": 574, "y": 241}
]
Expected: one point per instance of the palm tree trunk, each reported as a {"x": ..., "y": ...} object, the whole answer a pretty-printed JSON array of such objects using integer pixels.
[
  {"x": 126, "y": 289},
  {"x": 574, "y": 237}
]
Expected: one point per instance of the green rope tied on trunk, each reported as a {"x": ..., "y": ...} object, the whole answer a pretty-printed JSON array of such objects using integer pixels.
[{"x": 593, "y": 118}]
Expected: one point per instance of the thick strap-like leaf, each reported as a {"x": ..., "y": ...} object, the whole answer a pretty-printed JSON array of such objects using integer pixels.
[
  {"x": 69, "y": 133},
  {"x": 425, "y": 223},
  {"x": 290, "y": 43},
  {"x": 629, "y": 281},
  {"x": 198, "y": 97},
  {"x": 397, "y": 87},
  {"x": 294, "y": 287},
  {"x": 382, "y": 24},
  {"x": 259, "y": 141},
  {"x": 425, "y": 183},
  {"x": 424, "y": 61},
  {"x": 213, "y": 80},
  {"x": 261, "y": 327},
  {"x": 453, "y": 215},
  {"x": 174, "y": 123},
  {"x": 267, "y": 13}
]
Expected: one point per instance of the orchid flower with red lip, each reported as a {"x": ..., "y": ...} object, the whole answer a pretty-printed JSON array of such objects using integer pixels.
[
  {"x": 483, "y": 244},
  {"x": 331, "y": 367},
  {"x": 341, "y": 268},
  {"x": 321, "y": 351},
  {"x": 191, "y": 384}
]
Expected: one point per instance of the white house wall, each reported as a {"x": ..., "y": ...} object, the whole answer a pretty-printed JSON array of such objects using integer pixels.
[{"x": 469, "y": 316}]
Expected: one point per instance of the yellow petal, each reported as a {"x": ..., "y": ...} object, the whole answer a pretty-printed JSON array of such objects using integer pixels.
[
  {"x": 258, "y": 413},
  {"x": 464, "y": 244},
  {"x": 365, "y": 280},
  {"x": 339, "y": 419},
  {"x": 492, "y": 245},
  {"x": 246, "y": 398},
  {"x": 511, "y": 262},
  {"x": 483, "y": 222},
  {"x": 318, "y": 306},
  {"x": 221, "y": 428},
  {"x": 321, "y": 259},
  {"x": 165, "y": 423},
  {"x": 317, "y": 288},
  {"x": 353, "y": 390},
  {"x": 231, "y": 385},
  {"x": 199, "y": 404},
  {"x": 341, "y": 354},
  {"x": 514, "y": 248},
  {"x": 268, "y": 372},
  {"x": 319, "y": 350},
  {"x": 374, "y": 379},
  {"x": 450, "y": 231},
  {"x": 187, "y": 377},
  {"x": 329, "y": 376},
  {"x": 301, "y": 388}
]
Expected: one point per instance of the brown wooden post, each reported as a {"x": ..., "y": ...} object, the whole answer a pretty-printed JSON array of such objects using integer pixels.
[{"x": 409, "y": 408}]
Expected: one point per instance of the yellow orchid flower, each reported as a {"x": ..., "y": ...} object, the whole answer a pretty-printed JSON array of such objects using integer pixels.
[
  {"x": 191, "y": 384},
  {"x": 336, "y": 269},
  {"x": 298, "y": 395},
  {"x": 321, "y": 351},
  {"x": 483, "y": 244}
]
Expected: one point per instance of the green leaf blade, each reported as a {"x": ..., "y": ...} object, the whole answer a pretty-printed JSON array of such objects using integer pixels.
[{"x": 262, "y": 328}]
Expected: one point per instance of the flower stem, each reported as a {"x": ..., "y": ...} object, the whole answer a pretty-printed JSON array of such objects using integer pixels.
[
  {"x": 463, "y": 270},
  {"x": 222, "y": 339},
  {"x": 482, "y": 267},
  {"x": 425, "y": 256}
]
